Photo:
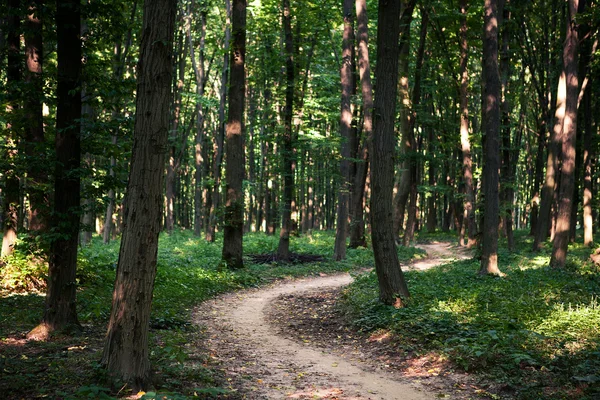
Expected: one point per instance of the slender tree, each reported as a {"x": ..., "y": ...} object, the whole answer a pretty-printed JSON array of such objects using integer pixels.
[
  {"x": 60, "y": 313},
  {"x": 491, "y": 141},
  {"x": 347, "y": 84},
  {"x": 287, "y": 151},
  {"x": 389, "y": 274},
  {"x": 126, "y": 348},
  {"x": 234, "y": 172},
  {"x": 568, "y": 135}
]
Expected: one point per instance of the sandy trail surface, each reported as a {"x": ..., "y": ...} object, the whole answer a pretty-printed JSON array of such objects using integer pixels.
[{"x": 262, "y": 364}]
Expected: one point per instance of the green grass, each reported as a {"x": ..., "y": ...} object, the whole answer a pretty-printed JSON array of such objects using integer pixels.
[
  {"x": 537, "y": 330},
  {"x": 187, "y": 274}
]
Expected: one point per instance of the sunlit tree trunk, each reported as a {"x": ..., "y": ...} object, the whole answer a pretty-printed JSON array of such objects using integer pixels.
[
  {"x": 347, "y": 84},
  {"x": 234, "y": 173},
  {"x": 588, "y": 155},
  {"x": 567, "y": 137},
  {"x": 491, "y": 145},
  {"x": 389, "y": 275}
]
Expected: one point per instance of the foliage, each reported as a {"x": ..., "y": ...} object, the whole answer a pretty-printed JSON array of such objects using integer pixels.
[{"x": 536, "y": 330}]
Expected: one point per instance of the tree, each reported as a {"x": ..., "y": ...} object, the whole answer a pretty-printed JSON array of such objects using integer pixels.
[
  {"x": 287, "y": 152},
  {"x": 389, "y": 274},
  {"x": 469, "y": 202},
  {"x": 10, "y": 194},
  {"x": 568, "y": 135},
  {"x": 357, "y": 224},
  {"x": 491, "y": 141},
  {"x": 347, "y": 84},
  {"x": 60, "y": 312},
  {"x": 126, "y": 348},
  {"x": 234, "y": 172}
]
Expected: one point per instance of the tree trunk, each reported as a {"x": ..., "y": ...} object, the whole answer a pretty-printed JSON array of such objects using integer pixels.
[
  {"x": 283, "y": 250},
  {"x": 568, "y": 137},
  {"x": 347, "y": 84},
  {"x": 389, "y": 274},
  {"x": 60, "y": 313},
  {"x": 220, "y": 137},
  {"x": 126, "y": 348},
  {"x": 491, "y": 142},
  {"x": 411, "y": 222},
  {"x": 34, "y": 136},
  {"x": 588, "y": 173},
  {"x": 234, "y": 173},
  {"x": 10, "y": 193}
]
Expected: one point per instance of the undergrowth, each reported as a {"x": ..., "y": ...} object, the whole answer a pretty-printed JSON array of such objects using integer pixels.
[
  {"x": 536, "y": 332},
  {"x": 187, "y": 274}
]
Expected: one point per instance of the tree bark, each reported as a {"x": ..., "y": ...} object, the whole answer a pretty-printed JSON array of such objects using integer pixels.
[
  {"x": 347, "y": 85},
  {"x": 283, "y": 249},
  {"x": 10, "y": 193},
  {"x": 126, "y": 348},
  {"x": 469, "y": 223},
  {"x": 588, "y": 173},
  {"x": 567, "y": 137},
  {"x": 60, "y": 313},
  {"x": 234, "y": 172},
  {"x": 389, "y": 274},
  {"x": 491, "y": 142}
]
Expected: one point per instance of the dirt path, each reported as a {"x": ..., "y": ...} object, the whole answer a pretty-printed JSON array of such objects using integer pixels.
[{"x": 262, "y": 364}]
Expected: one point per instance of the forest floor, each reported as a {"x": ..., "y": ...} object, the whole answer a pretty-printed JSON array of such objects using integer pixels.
[{"x": 291, "y": 341}]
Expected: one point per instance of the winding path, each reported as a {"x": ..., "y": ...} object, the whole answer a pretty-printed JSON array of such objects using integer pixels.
[{"x": 265, "y": 365}]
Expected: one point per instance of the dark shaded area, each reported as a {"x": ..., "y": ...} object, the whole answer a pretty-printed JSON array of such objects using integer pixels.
[{"x": 294, "y": 258}]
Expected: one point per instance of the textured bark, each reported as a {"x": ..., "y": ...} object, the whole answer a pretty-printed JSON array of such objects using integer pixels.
[
  {"x": 347, "y": 85},
  {"x": 403, "y": 182},
  {"x": 567, "y": 138},
  {"x": 469, "y": 225},
  {"x": 126, "y": 348},
  {"x": 283, "y": 249},
  {"x": 491, "y": 145},
  {"x": 10, "y": 193},
  {"x": 234, "y": 172},
  {"x": 60, "y": 313},
  {"x": 389, "y": 274}
]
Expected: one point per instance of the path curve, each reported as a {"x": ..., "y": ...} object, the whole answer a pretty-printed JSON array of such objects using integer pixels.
[{"x": 265, "y": 365}]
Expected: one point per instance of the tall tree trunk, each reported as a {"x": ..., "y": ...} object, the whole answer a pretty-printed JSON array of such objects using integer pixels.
[
  {"x": 491, "y": 145},
  {"x": 283, "y": 250},
  {"x": 588, "y": 173},
  {"x": 567, "y": 137},
  {"x": 34, "y": 136},
  {"x": 10, "y": 194},
  {"x": 126, "y": 348},
  {"x": 467, "y": 161},
  {"x": 389, "y": 274},
  {"x": 347, "y": 84},
  {"x": 234, "y": 173},
  {"x": 402, "y": 187},
  {"x": 60, "y": 313},
  {"x": 411, "y": 222},
  {"x": 220, "y": 137},
  {"x": 110, "y": 209}
]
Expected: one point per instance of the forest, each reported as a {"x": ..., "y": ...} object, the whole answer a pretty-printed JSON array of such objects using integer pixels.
[{"x": 159, "y": 154}]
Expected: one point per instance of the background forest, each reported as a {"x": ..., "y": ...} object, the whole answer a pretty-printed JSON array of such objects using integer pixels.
[{"x": 316, "y": 137}]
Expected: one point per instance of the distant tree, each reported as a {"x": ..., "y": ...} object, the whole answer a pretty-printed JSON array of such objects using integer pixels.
[
  {"x": 389, "y": 274},
  {"x": 491, "y": 140},
  {"x": 234, "y": 151},
  {"x": 125, "y": 353},
  {"x": 60, "y": 312}
]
